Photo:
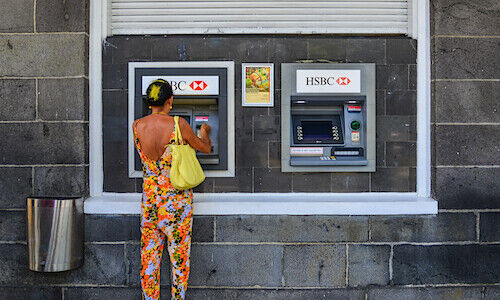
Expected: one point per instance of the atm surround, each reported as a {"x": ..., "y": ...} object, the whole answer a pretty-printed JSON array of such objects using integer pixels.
[
  {"x": 203, "y": 93},
  {"x": 328, "y": 117}
]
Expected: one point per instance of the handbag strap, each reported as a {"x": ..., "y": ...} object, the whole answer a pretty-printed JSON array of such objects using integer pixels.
[{"x": 177, "y": 135}]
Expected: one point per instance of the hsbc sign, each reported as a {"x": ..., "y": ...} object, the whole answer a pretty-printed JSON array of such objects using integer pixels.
[
  {"x": 328, "y": 81},
  {"x": 187, "y": 85}
]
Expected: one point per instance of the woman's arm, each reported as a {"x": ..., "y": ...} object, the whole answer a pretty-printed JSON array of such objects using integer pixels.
[{"x": 204, "y": 144}]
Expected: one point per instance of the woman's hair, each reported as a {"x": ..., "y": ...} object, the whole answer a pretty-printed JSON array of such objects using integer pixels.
[{"x": 158, "y": 92}]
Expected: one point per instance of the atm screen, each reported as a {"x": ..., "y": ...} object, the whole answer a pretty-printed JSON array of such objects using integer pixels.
[{"x": 317, "y": 130}]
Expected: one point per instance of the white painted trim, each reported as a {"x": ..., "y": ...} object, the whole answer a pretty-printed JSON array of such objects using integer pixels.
[
  {"x": 229, "y": 65},
  {"x": 353, "y": 204},
  {"x": 96, "y": 174},
  {"x": 423, "y": 100},
  {"x": 278, "y": 204}
]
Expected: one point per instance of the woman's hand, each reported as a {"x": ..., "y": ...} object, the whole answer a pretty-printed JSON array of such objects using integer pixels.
[
  {"x": 205, "y": 127},
  {"x": 202, "y": 144}
]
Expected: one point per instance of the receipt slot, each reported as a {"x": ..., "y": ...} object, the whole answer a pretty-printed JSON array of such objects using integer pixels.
[
  {"x": 203, "y": 93},
  {"x": 328, "y": 117}
]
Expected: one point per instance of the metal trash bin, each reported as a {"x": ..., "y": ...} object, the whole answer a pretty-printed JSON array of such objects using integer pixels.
[{"x": 55, "y": 233}]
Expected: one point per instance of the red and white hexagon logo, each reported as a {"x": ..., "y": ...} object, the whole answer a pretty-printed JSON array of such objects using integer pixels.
[
  {"x": 343, "y": 81},
  {"x": 198, "y": 85}
]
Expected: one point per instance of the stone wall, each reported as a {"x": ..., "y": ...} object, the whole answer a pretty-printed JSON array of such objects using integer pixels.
[
  {"x": 454, "y": 255},
  {"x": 257, "y": 145}
]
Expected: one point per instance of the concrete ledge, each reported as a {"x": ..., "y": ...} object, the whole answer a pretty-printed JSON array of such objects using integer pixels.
[{"x": 278, "y": 204}]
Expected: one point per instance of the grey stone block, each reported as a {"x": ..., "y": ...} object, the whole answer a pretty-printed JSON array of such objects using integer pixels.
[
  {"x": 16, "y": 185},
  {"x": 401, "y": 103},
  {"x": 314, "y": 265},
  {"x": 274, "y": 154},
  {"x": 112, "y": 228},
  {"x": 266, "y": 128},
  {"x": 207, "y": 186},
  {"x": 381, "y": 105},
  {"x": 429, "y": 293},
  {"x": 489, "y": 231},
  {"x": 381, "y": 160},
  {"x": 401, "y": 51},
  {"x": 44, "y": 55},
  {"x": 283, "y": 49},
  {"x": 44, "y": 143},
  {"x": 61, "y": 181},
  {"x": 457, "y": 58},
  {"x": 114, "y": 76},
  {"x": 467, "y": 101},
  {"x": 491, "y": 293},
  {"x": 368, "y": 265},
  {"x": 401, "y": 154},
  {"x": 390, "y": 180},
  {"x": 467, "y": 187},
  {"x": 393, "y": 128},
  {"x": 274, "y": 294},
  {"x": 98, "y": 293},
  {"x": 328, "y": 47},
  {"x": 13, "y": 225},
  {"x": 453, "y": 17},
  {"x": 32, "y": 293},
  {"x": 366, "y": 50},
  {"x": 440, "y": 228},
  {"x": 250, "y": 48},
  {"x": 446, "y": 264},
  {"x": 467, "y": 145},
  {"x": 103, "y": 265},
  {"x": 311, "y": 182},
  {"x": 168, "y": 48},
  {"x": 63, "y": 99},
  {"x": 134, "y": 265},
  {"x": 203, "y": 228},
  {"x": 211, "y": 48},
  {"x": 251, "y": 154},
  {"x": 412, "y": 77},
  {"x": 392, "y": 77},
  {"x": 350, "y": 182},
  {"x": 242, "y": 182},
  {"x": 271, "y": 180},
  {"x": 16, "y": 16},
  {"x": 67, "y": 15},
  {"x": 18, "y": 97},
  {"x": 116, "y": 168},
  {"x": 236, "y": 265},
  {"x": 130, "y": 48},
  {"x": 256, "y": 228}
]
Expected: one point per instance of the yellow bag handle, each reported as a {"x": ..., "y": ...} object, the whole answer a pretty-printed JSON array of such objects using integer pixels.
[{"x": 178, "y": 135}]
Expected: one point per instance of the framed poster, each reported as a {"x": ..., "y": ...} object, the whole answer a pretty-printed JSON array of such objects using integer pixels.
[{"x": 257, "y": 84}]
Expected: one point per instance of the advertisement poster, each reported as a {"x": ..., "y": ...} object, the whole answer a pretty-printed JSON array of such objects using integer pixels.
[{"x": 257, "y": 84}]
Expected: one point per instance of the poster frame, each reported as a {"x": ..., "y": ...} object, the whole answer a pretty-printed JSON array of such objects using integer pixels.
[{"x": 271, "y": 84}]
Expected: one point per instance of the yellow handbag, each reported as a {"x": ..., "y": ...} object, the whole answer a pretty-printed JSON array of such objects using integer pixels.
[{"x": 186, "y": 171}]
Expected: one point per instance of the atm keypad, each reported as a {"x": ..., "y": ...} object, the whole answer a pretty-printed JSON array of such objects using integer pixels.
[
  {"x": 335, "y": 133},
  {"x": 299, "y": 133}
]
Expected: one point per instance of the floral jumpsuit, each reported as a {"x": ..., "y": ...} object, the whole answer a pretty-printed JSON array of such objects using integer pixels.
[{"x": 165, "y": 212}]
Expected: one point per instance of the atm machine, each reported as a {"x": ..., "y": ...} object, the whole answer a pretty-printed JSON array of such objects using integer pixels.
[
  {"x": 203, "y": 93},
  {"x": 328, "y": 117}
]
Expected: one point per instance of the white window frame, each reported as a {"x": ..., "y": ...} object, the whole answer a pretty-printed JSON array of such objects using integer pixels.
[{"x": 370, "y": 203}]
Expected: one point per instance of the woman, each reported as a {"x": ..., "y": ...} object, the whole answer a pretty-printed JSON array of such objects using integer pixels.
[{"x": 165, "y": 211}]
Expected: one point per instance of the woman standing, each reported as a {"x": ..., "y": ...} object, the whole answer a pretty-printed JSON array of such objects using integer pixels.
[{"x": 165, "y": 211}]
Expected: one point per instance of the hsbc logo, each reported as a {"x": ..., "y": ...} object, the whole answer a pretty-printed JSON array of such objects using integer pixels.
[
  {"x": 327, "y": 81},
  {"x": 343, "y": 80},
  {"x": 186, "y": 85},
  {"x": 198, "y": 85}
]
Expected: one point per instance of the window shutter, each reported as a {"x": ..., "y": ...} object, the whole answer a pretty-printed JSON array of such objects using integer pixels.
[{"x": 226, "y": 17}]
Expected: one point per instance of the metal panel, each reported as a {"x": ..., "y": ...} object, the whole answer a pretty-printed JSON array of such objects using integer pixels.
[{"x": 201, "y": 17}]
